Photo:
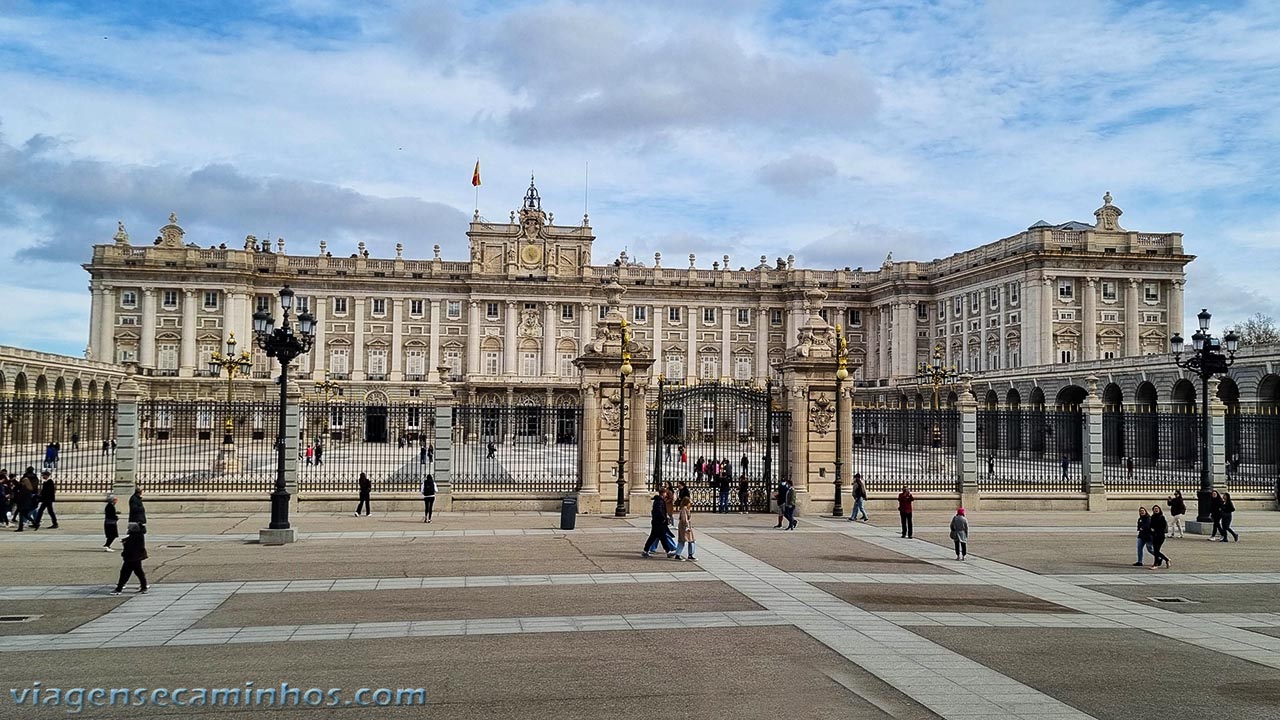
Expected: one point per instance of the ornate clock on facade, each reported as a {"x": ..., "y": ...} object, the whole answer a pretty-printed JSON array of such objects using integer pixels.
[{"x": 531, "y": 254}]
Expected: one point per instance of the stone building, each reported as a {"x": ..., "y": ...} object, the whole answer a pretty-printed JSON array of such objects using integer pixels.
[{"x": 505, "y": 325}]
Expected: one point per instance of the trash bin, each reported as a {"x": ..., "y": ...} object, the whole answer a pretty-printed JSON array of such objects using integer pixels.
[{"x": 569, "y": 513}]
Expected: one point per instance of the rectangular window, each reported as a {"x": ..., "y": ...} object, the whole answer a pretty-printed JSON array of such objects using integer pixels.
[
  {"x": 491, "y": 310},
  {"x": 377, "y": 361},
  {"x": 855, "y": 318},
  {"x": 529, "y": 364},
  {"x": 604, "y": 311},
  {"x": 531, "y": 306},
  {"x": 942, "y": 309},
  {"x": 1013, "y": 294},
  {"x": 338, "y": 361},
  {"x": 974, "y": 302},
  {"x": 744, "y": 316},
  {"x": 922, "y": 311},
  {"x": 167, "y": 358},
  {"x": 1067, "y": 356},
  {"x": 1151, "y": 317},
  {"x": 709, "y": 367},
  {"x": 675, "y": 367},
  {"x": 211, "y": 300},
  {"x": 567, "y": 368},
  {"x": 453, "y": 361},
  {"x": 742, "y": 367},
  {"x": 1066, "y": 289},
  {"x": 263, "y": 303},
  {"x": 340, "y": 306},
  {"x": 170, "y": 298},
  {"x": 1108, "y": 291},
  {"x": 994, "y": 295},
  {"x": 415, "y": 363},
  {"x": 379, "y": 306},
  {"x": 303, "y": 304},
  {"x": 1110, "y": 317},
  {"x": 673, "y": 315},
  {"x": 1066, "y": 314},
  {"x": 128, "y": 299},
  {"x": 1151, "y": 292},
  {"x": 415, "y": 308},
  {"x": 822, "y": 313},
  {"x": 453, "y": 309},
  {"x": 709, "y": 316},
  {"x": 775, "y": 317},
  {"x": 958, "y": 305},
  {"x": 1108, "y": 354},
  {"x": 128, "y": 355},
  {"x": 640, "y": 313},
  {"x": 492, "y": 363},
  {"x": 566, "y": 312}
]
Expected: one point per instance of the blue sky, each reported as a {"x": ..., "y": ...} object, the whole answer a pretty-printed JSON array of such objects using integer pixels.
[{"x": 834, "y": 131}]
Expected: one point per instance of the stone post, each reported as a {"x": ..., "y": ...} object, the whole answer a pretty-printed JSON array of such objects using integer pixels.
[
  {"x": 127, "y": 436},
  {"x": 1217, "y": 437},
  {"x": 967, "y": 445},
  {"x": 443, "y": 468},
  {"x": 637, "y": 451},
  {"x": 1091, "y": 449},
  {"x": 589, "y": 451},
  {"x": 292, "y": 428}
]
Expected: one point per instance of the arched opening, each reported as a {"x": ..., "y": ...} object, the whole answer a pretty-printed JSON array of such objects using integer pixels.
[
  {"x": 989, "y": 423},
  {"x": 1013, "y": 422},
  {"x": 1229, "y": 395},
  {"x": 1144, "y": 424},
  {"x": 1070, "y": 397},
  {"x": 1068, "y": 424},
  {"x": 1184, "y": 425},
  {"x": 1113, "y": 429},
  {"x": 1267, "y": 420},
  {"x": 1036, "y": 427}
]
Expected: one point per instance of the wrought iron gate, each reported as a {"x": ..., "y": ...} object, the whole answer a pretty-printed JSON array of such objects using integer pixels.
[{"x": 696, "y": 429}]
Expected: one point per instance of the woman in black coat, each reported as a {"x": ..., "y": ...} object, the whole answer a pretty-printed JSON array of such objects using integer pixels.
[
  {"x": 134, "y": 552},
  {"x": 110, "y": 522},
  {"x": 1228, "y": 509},
  {"x": 1144, "y": 533},
  {"x": 1215, "y": 513},
  {"x": 1159, "y": 526}
]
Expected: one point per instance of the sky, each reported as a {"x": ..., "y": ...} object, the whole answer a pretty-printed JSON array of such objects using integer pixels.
[{"x": 834, "y": 131}]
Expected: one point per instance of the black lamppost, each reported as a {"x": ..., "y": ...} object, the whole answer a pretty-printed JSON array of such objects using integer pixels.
[
  {"x": 1205, "y": 361},
  {"x": 842, "y": 373},
  {"x": 620, "y": 510},
  {"x": 283, "y": 344}
]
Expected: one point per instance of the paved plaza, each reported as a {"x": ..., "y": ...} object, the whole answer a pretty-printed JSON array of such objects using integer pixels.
[{"x": 504, "y": 615}]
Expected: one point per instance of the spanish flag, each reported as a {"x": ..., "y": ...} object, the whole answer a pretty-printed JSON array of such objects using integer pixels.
[{"x": 475, "y": 175}]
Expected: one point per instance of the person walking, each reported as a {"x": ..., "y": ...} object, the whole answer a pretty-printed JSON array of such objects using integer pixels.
[
  {"x": 1144, "y": 533},
  {"x": 789, "y": 507},
  {"x": 684, "y": 512},
  {"x": 1177, "y": 508},
  {"x": 859, "y": 492},
  {"x": 1215, "y": 513},
  {"x": 6, "y": 491},
  {"x": 491, "y": 451},
  {"x": 132, "y": 555},
  {"x": 744, "y": 489},
  {"x": 1128, "y": 467},
  {"x": 431, "y": 453},
  {"x": 49, "y": 493},
  {"x": 1228, "y": 509},
  {"x": 722, "y": 486},
  {"x": 660, "y": 529},
  {"x": 744, "y": 463},
  {"x": 365, "y": 486},
  {"x": 106, "y": 447},
  {"x": 75, "y": 441},
  {"x": 319, "y": 453},
  {"x": 684, "y": 455},
  {"x": 137, "y": 511},
  {"x": 960, "y": 534},
  {"x": 1159, "y": 527},
  {"x": 780, "y": 497},
  {"x": 110, "y": 520},
  {"x": 24, "y": 496},
  {"x": 905, "y": 500},
  {"x": 1066, "y": 466},
  {"x": 991, "y": 465},
  {"x": 668, "y": 502},
  {"x": 428, "y": 497},
  {"x": 310, "y": 453},
  {"x": 422, "y": 455}
]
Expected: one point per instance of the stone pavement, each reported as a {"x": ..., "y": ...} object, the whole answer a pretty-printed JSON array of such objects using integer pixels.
[{"x": 892, "y": 628}]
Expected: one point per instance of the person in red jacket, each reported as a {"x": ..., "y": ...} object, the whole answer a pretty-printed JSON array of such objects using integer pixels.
[{"x": 905, "y": 498}]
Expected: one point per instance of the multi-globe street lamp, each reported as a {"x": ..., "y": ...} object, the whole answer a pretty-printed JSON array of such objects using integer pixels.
[
  {"x": 1206, "y": 360},
  {"x": 842, "y": 373},
  {"x": 234, "y": 364},
  {"x": 328, "y": 387},
  {"x": 620, "y": 510},
  {"x": 283, "y": 344}
]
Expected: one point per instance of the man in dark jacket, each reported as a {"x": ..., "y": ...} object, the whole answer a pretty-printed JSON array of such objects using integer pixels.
[
  {"x": 905, "y": 501},
  {"x": 24, "y": 497},
  {"x": 137, "y": 513},
  {"x": 133, "y": 553},
  {"x": 660, "y": 529},
  {"x": 48, "y": 493}
]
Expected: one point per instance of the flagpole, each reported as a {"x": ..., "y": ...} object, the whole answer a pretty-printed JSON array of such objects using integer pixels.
[{"x": 477, "y": 186}]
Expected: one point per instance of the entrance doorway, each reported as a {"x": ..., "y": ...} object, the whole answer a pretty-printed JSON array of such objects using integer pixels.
[{"x": 375, "y": 424}]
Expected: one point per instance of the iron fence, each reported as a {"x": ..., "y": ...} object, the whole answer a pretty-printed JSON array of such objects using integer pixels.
[
  {"x": 524, "y": 448},
  {"x": 210, "y": 446},
  {"x": 1148, "y": 449},
  {"x": 896, "y": 447},
  {"x": 390, "y": 442},
  {"x": 699, "y": 433},
  {"x": 62, "y": 435},
  {"x": 1253, "y": 449},
  {"x": 1030, "y": 449}
]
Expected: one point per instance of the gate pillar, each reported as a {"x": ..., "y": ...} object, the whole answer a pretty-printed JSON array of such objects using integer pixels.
[
  {"x": 606, "y": 396},
  {"x": 809, "y": 384}
]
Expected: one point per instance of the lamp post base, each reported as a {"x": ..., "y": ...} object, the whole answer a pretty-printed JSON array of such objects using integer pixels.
[
  {"x": 283, "y": 536},
  {"x": 1197, "y": 527},
  {"x": 1204, "y": 500}
]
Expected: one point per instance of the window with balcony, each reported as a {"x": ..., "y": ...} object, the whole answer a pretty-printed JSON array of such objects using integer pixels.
[
  {"x": 415, "y": 365},
  {"x": 528, "y": 364},
  {"x": 492, "y": 362},
  {"x": 377, "y": 364},
  {"x": 567, "y": 368},
  {"x": 675, "y": 367},
  {"x": 262, "y": 303},
  {"x": 338, "y": 364},
  {"x": 742, "y": 367}
]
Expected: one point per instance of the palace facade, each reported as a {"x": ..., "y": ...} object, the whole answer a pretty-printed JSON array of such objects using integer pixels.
[{"x": 505, "y": 325}]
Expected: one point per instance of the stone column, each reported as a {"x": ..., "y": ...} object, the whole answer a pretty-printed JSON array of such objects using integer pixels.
[
  {"x": 1091, "y": 467},
  {"x": 106, "y": 348},
  {"x": 637, "y": 452},
  {"x": 1217, "y": 436},
  {"x": 548, "y": 340},
  {"x": 1046, "y": 321},
  {"x": 128, "y": 394},
  {"x": 397, "y": 340},
  {"x": 358, "y": 351},
  {"x": 95, "y": 322},
  {"x": 1175, "y": 307},
  {"x": 443, "y": 469},
  {"x": 762, "y": 345},
  {"x": 229, "y": 317},
  {"x": 187, "y": 355},
  {"x": 433, "y": 352},
  {"x": 909, "y": 339},
  {"x": 473, "y": 338},
  {"x": 1089, "y": 346},
  {"x": 586, "y": 322},
  {"x": 658, "y": 318},
  {"x": 292, "y": 426},
  {"x": 147, "y": 345},
  {"x": 320, "y": 353},
  {"x": 1131, "y": 316},
  {"x": 885, "y": 342},
  {"x": 726, "y": 347},
  {"x": 510, "y": 341},
  {"x": 798, "y": 458},
  {"x": 589, "y": 455},
  {"x": 967, "y": 446},
  {"x": 691, "y": 370}
]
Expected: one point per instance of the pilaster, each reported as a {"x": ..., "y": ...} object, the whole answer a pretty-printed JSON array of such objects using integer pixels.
[
  {"x": 126, "y": 455},
  {"x": 443, "y": 468},
  {"x": 967, "y": 451},
  {"x": 1091, "y": 461}
]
